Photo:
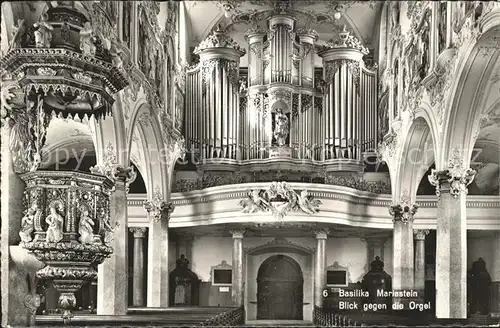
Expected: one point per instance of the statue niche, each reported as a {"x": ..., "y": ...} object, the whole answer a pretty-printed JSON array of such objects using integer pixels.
[
  {"x": 478, "y": 288},
  {"x": 184, "y": 284},
  {"x": 281, "y": 128},
  {"x": 377, "y": 279}
]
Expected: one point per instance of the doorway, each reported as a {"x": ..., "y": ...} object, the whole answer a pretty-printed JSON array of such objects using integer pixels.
[{"x": 280, "y": 289}]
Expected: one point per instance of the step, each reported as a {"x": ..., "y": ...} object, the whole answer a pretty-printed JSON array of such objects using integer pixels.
[{"x": 278, "y": 323}]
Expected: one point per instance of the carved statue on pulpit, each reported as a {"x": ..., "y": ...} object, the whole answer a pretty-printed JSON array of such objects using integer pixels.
[
  {"x": 377, "y": 279},
  {"x": 478, "y": 285},
  {"x": 184, "y": 284}
]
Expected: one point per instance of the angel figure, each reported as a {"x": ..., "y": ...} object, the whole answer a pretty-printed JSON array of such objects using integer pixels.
[
  {"x": 117, "y": 60},
  {"x": 86, "y": 228},
  {"x": 109, "y": 231},
  {"x": 87, "y": 45},
  {"x": 55, "y": 222},
  {"x": 254, "y": 202},
  {"x": 307, "y": 203},
  {"x": 27, "y": 225},
  {"x": 17, "y": 34},
  {"x": 43, "y": 34}
]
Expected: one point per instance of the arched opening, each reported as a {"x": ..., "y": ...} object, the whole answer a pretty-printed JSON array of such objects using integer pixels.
[{"x": 280, "y": 289}]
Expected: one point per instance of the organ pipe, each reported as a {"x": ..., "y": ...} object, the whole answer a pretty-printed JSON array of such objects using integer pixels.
[
  {"x": 331, "y": 121},
  {"x": 349, "y": 100}
]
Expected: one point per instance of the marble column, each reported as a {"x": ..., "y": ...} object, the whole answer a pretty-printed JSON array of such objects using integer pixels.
[
  {"x": 320, "y": 266},
  {"x": 14, "y": 285},
  {"x": 495, "y": 275},
  {"x": 451, "y": 248},
  {"x": 375, "y": 247},
  {"x": 403, "y": 246},
  {"x": 419, "y": 273},
  {"x": 158, "y": 270},
  {"x": 138, "y": 278},
  {"x": 112, "y": 274},
  {"x": 237, "y": 292}
]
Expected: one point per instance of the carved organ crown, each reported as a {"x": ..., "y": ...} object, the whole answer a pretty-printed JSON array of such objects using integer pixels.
[{"x": 281, "y": 110}]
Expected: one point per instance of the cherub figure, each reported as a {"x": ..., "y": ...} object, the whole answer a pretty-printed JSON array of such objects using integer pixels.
[
  {"x": 307, "y": 203},
  {"x": 27, "y": 225},
  {"x": 254, "y": 202}
]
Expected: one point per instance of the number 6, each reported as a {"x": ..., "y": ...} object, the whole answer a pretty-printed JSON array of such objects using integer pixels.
[{"x": 325, "y": 293}]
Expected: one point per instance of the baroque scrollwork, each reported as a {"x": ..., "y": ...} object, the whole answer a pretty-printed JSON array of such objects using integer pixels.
[
  {"x": 279, "y": 199},
  {"x": 158, "y": 208},
  {"x": 28, "y": 128}
]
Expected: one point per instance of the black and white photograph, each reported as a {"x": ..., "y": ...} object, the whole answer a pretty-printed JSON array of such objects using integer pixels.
[{"x": 250, "y": 163}]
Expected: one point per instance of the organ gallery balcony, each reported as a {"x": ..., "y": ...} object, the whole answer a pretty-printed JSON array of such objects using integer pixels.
[{"x": 303, "y": 104}]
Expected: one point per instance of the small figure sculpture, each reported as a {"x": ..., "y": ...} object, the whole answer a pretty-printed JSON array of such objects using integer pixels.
[
  {"x": 18, "y": 34},
  {"x": 109, "y": 231},
  {"x": 243, "y": 85},
  {"x": 306, "y": 203},
  {"x": 117, "y": 60},
  {"x": 87, "y": 45},
  {"x": 254, "y": 202},
  {"x": 27, "y": 225},
  {"x": 55, "y": 222},
  {"x": 281, "y": 128},
  {"x": 321, "y": 85},
  {"x": 43, "y": 34},
  {"x": 86, "y": 228},
  {"x": 65, "y": 32}
]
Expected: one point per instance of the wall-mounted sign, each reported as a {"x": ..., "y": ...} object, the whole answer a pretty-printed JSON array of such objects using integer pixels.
[
  {"x": 224, "y": 289},
  {"x": 222, "y": 274}
]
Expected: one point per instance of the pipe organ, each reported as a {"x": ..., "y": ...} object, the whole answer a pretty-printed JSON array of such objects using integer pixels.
[{"x": 282, "y": 113}]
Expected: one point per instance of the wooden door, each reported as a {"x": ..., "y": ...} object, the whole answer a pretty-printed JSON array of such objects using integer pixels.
[{"x": 280, "y": 289}]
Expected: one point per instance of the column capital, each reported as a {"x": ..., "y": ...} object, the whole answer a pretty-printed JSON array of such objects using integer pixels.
[
  {"x": 455, "y": 178},
  {"x": 321, "y": 233},
  {"x": 420, "y": 234},
  {"x": 237, "y": 233},
  {"x": 453, "y": 181},
  {"x": 139, "y": 232},
  {"x": 403, "y": 213},
  {"x": 158, "y": 208}
]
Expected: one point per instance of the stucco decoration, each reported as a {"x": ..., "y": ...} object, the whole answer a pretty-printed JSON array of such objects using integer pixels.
[{"x": 279, "y": 199}]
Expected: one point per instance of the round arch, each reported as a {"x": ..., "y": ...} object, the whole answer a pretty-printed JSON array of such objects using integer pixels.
[
  {"x": 416, "y": 155},
  {"x": 463, "y": 107},
  {"x": 280, "y": 289},
  {"x": 152, "y": 149}
]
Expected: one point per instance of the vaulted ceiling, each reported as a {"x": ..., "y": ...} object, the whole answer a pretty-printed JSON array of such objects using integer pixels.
[{"x": 360, "y": 17}]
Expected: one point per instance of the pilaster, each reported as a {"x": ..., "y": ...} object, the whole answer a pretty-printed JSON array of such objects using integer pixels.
[{"x": 375, "y": 247}]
